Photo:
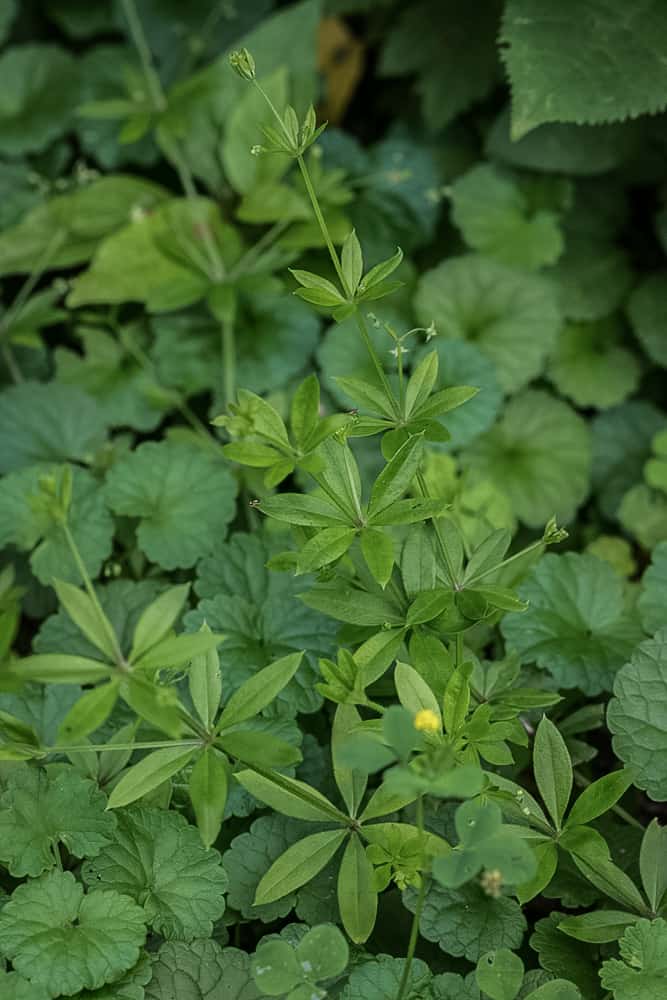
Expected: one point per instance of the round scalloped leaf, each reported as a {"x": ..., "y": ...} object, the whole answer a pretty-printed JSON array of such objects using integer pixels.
[
  {"x": 40, "y": 92},
  {"x": 652, "y": 601},
  {"x": 461, "y": 363},
  {"x": 66, "y": 941},
  {"x": 466, "y": 922},
  {"x": 183, "y": 497},
  {"x": 48, "y": 422},
  {"x": 41, "y": 706},
  {"x": 577, "y": 625},
  {"x": 495, "y": 217},
  {"x": 15, "y": 987},
  {"x": 158, "y": 859},
  {"x": 647, "y": 309},
  {"x": 643, "y": 513},
  {"x": 621, "y": 445},
  {"x": 539, "y": 454},
  {"x": 564, "y": 956},
  {"x": 262, "y": 618},
  {"x": 591, "y": 368},
  {"x": 583, "y": 63},
  {"x": 512, "y": 317},
  {"x": 560, "y": 148},
  {"x": 381, "y": 977},
  {"x": 42, "y": 808},
  {"x": 637, "y": 716},
  {"x": 593, "y": 278},
  {"x": 32, "y": 530},
  {"x": 641, "y": 971},
  {"x": 201, "y": 970},
  {"x": 130, "y": 986}
]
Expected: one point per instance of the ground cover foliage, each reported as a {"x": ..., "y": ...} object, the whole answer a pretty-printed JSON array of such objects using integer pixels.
[{"x": 294, "y": 701}]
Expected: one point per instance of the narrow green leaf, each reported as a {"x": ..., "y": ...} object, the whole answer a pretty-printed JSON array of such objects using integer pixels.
[
  {"x": 352, "y": 261},
  {"x": 57, "y": 668},
  {"x": 305, "y": 409},
  {"x": 599, "y": 927},
  {"x": 590, "y": 853},
  {"x": 427, "y": 606},
  {"x": 259, "y": 748},
  {"x": 205, "y": 683},
  {"x": 320, "y": 297},
  {"x": 351, "y": 783},
  {"x": 259, "y": 691},
  {"x": 291, "y": 797},
  {"x": 324, "y": 548},
  {"x": 413, "y": 692},
  {"x": 653, "y": 864},
  {"x": 158, "y": 619},
  {"x": 177, "y": 650},
  {"x": 357, "y": 896},
  {"x": 156, "y": 703},
  {"x": 148, "y": 774},
  {"x": 456, "y": 701},
  {"x": 91, "y": 710},
  {"x": 396, "y": 476},
  {"x": 600, "y": 796},
  {"x": 488, "y": 553},
  {"x": 421, "y": 383},
  {"x": 309, "y": 280},
  {"x": 378, "y": 550},
  {"x": 553, "y": 770},
  {"x": 381, "y": 271},
  {"x": 308, "y": 511},
  {"x": 208, "y": 794},
  {"x": 298, "y": 864},
  {"x": 85, "y": 615}
]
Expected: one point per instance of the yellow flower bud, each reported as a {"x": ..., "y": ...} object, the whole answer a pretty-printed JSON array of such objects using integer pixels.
[{"x": 426, "y": 721}]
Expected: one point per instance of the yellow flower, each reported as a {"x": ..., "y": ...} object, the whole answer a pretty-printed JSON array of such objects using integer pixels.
[{"x": 426, "y": 721}]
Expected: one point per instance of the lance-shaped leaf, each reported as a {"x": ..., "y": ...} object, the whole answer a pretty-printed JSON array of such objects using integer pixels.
[
  {"x": 298, "y": 864},
  {"x": 259, "y": 691},
  {"x": 150, "y": 772}
]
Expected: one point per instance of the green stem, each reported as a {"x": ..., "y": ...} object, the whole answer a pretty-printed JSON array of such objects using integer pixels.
[
  {"x": 11, "y": 364},
  {"x": 228, "y": 361},
  {"x": 324, "y": 229},
  {"x": 377, "y": 364},
  {"x": 151, "y": 77},
  {"x": 90, "y": 590},
  {"x": 506, "y": 562},
  {"x": 414, "y": 930},
  {"x": 101, "y": 748},
  {"x": 421, "y": 482}
]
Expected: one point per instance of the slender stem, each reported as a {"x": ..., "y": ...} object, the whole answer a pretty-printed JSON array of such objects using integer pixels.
[
  {"x": 324, "y": 229},
  {"x": 90, "y": 590},
  {"x": 379, "y": 368},
  {"x": 506, "y": 562},
  {"x": 151, "y": 77},
  {"x": 257, "y": 249},
  {"x": 11, "y": 363},
  {"x": 421, "y": 482},
  {"x": 102, "y": 748},
  {"x": 414, "y": 930},
  {"x": 228, "y": 361}
]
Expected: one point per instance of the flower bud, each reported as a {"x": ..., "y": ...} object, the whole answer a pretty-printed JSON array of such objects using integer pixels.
[{"x": 243, "y": 63}]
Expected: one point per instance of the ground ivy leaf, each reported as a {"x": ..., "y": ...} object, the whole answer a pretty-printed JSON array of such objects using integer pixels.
[
  {"x": 66, "y": 941},
  {"x": 563, "y": 956},
  {"x": 250, "y": 856},
  {"x": 121, "y": 387},
  {"x": 33, "y": 531},
  {"x": 44, "y": 807},
  {"x": 608, "y": 69},
  {"x": 40, "y": 94},
  {"x": 455, "y": 61},
  {"x": 201, "y": 970},
  {"x": 48, "y": 422},
  {"x": 42, "y": 706},
  {"x": 643, "y": 514},
  {"x": 637, "y": 715},
  {"x": 15, "y": 987},
  {"x": 183, "y": 497},
  {"x": 380, "y": 979},
  {"x": 647, "y": 309},
  {"x": 577, "y": 625},
  {"x": 158, "y": 859},
  {"x": 130, "y": 986},
  {"x": 512, "y": 317},
  {"x": 621, "y": 445},
  {"x": 652, "y": 601},
  {"x": 590, "y": 366},
  {"x": 467, "y": 922},
  {"x": 640, "y": 972},
  {"x": 593, "y": 278},
  {"x": 495, "y": 217},
  {"x": 539, "y": 454},
  {"x": 259, "y": 612},
  {"x": 461, "y": 363}
]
